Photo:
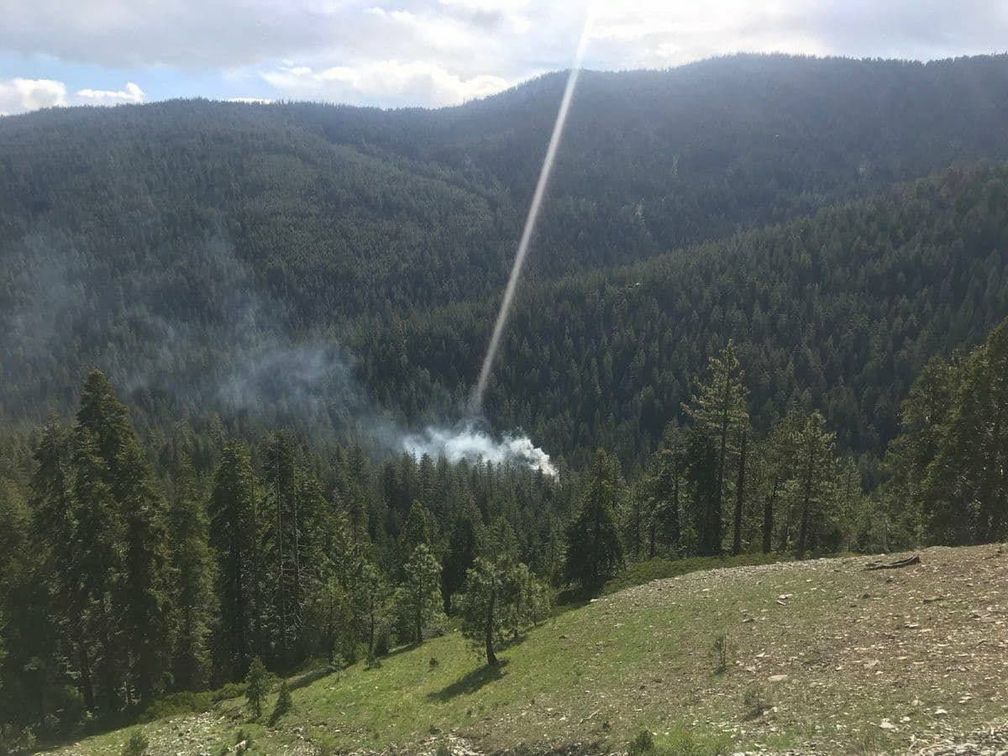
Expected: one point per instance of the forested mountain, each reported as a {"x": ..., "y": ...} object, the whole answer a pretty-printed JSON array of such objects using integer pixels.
[
  {"x": 213, "y": 255},
  {"x": 757, "y": 278},
  {"x": 838, "y": 312}
]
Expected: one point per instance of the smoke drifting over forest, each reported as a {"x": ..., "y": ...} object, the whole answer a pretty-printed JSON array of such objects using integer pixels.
[{"x": 467, "y": 442}]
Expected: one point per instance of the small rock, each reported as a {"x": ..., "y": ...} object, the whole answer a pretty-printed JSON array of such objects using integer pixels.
[
  {"x": 777, "y": 678},
  {"x": 940, "y": 712}
]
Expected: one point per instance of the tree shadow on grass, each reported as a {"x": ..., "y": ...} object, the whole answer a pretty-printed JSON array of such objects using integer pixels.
[{"x": 472, "y": 682}]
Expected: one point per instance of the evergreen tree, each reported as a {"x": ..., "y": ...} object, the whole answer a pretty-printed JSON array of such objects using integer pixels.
[
  {"x": 501, "y": 599},
  {"x": 373, "y": 599},
  {"x": 594, "y": 551},
  {"x": 420, "y": 599},
  {"x": 97, "y": 554},
  {"x": 257, "y": 683},
  {"x": 663, "y": 520},
  {"x": 462, "y": 543},
  {"x": 975, "y": 452},
  {"x": 740, "y": 495},
  {"x": 234, "y": 531},
  {"x": 138, "y": 512},
  {"x": 192, "y": 580},
  {"x": 815, "y": 449},
  {"x": 719, "y": 410}
]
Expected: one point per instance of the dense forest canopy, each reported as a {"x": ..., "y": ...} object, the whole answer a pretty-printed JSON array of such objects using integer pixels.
[{"x": 311, "y": 263}]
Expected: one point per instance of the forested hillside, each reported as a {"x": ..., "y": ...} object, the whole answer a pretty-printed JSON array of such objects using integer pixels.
[
  {"x": 838, "y": 312},
  {"x": 762, "y": 319},
  {"x": 211, "y": 255}
]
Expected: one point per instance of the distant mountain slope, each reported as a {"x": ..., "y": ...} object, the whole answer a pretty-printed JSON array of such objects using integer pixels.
[
  {"x": 837, "y": 312},
  {"x": 184, "y": 246}
]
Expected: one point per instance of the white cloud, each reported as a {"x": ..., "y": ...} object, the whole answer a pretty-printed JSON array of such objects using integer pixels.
[
  {"x": 388, "y": 82},
  {"x": 131, "y": 94},
  {"x": 22, "y": 95},
  {"x": 433, "y": 52}
]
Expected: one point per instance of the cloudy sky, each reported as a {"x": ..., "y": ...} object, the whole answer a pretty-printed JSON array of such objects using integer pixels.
[{"x": 430, "y": 52}]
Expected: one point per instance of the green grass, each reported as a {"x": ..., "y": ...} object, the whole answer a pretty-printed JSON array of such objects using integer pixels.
[
  {"x": 639, "y": 573},
  {"x": 810, "y": 662}
]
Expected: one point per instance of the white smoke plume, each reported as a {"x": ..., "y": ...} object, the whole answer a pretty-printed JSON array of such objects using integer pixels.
[{"x": 468, "y": 443}]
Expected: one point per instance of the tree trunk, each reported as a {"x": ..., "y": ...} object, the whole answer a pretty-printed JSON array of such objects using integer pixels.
[
  {"x": 768, "y": 513},
  {"x": 675, "y": 505},
  {"x": 85, "y": 685},
  {"x": 371, "y": 629},
  {"x": 489, "y": 628},
  {"x": 714, "y": 517},
  {"x": 740, "y": 496},
  {"x": 806, "y": 506},
  {"x": 418, "y": 618}
]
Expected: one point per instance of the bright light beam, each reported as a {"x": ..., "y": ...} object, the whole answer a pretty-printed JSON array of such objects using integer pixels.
[{"x": 476, "y": 400}]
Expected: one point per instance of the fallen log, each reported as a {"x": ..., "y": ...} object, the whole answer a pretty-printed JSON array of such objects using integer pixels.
[{"x": 908, "y": 562}]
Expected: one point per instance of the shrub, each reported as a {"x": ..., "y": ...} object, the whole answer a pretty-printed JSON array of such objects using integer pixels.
[
  {"x": 228, "y": 691},
  {"x": 137, "y": 745},
  {"x": 178, "y": 703},
  {"x": 720, "y": 653},
  {"x": 642, "y": 743},
  {"x": 243, "y": 742},
  {"x": 756, "y": 703},
  {"x": 257, "y": 686}
]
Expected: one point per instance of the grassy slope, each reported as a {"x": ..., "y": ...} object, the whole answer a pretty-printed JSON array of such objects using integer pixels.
[{"x": 874, "y": 661}]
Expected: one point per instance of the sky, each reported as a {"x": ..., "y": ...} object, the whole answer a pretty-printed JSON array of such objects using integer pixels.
[{"x": 430, "y": 53}]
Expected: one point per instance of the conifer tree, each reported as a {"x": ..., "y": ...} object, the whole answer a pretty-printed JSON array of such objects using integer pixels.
[
  {"x": 234, "y": 538},
  {"x": 501, "y": 599},
  {"x": 138, "y": 511},
  {"x": 192, "y": 581},
  {"x": 815, "y": 449},
  {"x": 594, "y": 551},
  {"x": 257, "y": 683},
  {"x": 719, "y": 410},
  {"x": 96, "y": 551},
  {"x": 373, "y": 598},
  {"x": 420, "y": 592}
]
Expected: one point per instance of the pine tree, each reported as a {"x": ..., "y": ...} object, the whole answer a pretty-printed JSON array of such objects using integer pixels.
[
  {"x": 664, "y": 489},
  {"x": 234, "y": 538},
  {"x": 719, "y": 410},
  {"x": 96, "y": 551},
  {"x": 594, "y": 551},
  {"x": 815, "y": 449},
  {"x": 373, "y": 597},
  {"x": 139, "y": 510},
  {"x": 740, "y": 495},
  {"x": 966, "y": 485},
  {"x": 779, "y": 464},
  {"x": 420, "y": 592},
  {"x": 480, "y": 607},
  {"x": 257, "y": 683},
  {"x": 501, "y": 600},
  {"x": 294, "y": 524},
  {"x": 192, "y": 581},
  {"x": 461, "y": 552}
]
